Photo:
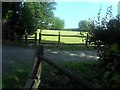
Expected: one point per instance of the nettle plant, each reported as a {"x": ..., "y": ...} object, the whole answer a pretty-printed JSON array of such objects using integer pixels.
[{"x": 105, "y": 35}]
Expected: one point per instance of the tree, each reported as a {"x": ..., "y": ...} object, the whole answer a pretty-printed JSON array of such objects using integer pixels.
[
  {"x": 57, "y": 24},
  {"x": 11, "y": 15},
  {"x": 27, "y": 16},
  {"x": 37, "y": 15},
  {"x": 44, "y": 13},
  {"x": 83, "y": 25}
]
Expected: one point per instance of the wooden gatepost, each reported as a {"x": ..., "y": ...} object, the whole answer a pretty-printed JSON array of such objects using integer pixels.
[
  {"x": 58, "y": 45},
  {"x": 86, "y": 43},
  {"x": 35, "y": 42},
  {"x": 39, "y": 38},
  {"x": 34, "y": 78}
]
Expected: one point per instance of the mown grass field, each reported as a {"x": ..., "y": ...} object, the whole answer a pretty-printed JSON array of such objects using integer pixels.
[{"x": 65, "y": 40}]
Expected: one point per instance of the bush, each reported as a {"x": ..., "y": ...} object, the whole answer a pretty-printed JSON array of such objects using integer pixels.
[{"x": 105, "y": 34}]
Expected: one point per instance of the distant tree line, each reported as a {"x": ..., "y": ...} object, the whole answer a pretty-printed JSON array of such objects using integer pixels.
[
  {"x": 20, "y": 18},
  {"x": 83, "y": 26}
]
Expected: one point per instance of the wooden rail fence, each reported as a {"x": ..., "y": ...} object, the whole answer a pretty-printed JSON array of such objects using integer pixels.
[
  {"x": 34, "y": 78},
  {"x": 34, "y": 39}
]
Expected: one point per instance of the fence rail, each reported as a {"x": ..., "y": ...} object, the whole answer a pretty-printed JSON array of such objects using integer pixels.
[
  {"x": 35, "y": 75},
  {"x": 34, "y": 39},
  {"x": 72, "y": 36},
  {"x": 49, "y": 35},
  {"x": 63, "y": 35}
]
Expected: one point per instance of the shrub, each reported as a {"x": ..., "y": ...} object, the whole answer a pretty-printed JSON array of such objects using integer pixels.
[{"x": 105, "y": 35}]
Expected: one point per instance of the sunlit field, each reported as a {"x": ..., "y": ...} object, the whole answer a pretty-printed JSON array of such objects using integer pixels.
[{"x": 65, "y": 40}]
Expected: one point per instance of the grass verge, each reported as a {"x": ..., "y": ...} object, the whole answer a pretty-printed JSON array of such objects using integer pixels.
[
  {"x": 51, "y": 78},
  {"x": 51, "y": 46},
  {"x": 68, "y": 47},
  {"x": 15, "y": 80}
]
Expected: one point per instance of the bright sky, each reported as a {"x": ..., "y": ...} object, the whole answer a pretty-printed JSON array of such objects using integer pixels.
[{"x": 72, "y": 11}]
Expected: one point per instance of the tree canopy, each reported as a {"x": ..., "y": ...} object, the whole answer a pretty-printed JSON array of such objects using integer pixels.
[
  {"x": 83, "y": 25},
  {"x": 26, "y": 17},
  {"x": 57, "y": 24}
]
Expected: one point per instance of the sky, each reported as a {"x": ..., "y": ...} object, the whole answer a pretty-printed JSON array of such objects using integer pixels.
[{"x": 73, "y": 11}]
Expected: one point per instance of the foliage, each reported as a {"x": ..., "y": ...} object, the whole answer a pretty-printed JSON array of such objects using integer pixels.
[
  {"x": 25, "y": 17},
  {"x": 105, "y": 34},
  {"x": 44, "y": 13},
  {"x": 83, "y": 25},
  {"x": 57, "y": 24},
  {"x": 11, "y": 16}
]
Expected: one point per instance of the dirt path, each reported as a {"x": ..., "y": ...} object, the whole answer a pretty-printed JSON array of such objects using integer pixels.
[
  {"x": 13, "y": 57},
  {"x": 70, "y": 55}
]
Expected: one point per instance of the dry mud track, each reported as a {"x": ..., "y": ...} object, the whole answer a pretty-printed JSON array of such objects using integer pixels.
[{"x": 13, "y": 56}]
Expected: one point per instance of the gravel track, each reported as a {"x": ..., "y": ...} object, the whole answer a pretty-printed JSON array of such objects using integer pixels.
[
  {"x": 13, "y": 56},
  {"x": 63, "y": 55}
]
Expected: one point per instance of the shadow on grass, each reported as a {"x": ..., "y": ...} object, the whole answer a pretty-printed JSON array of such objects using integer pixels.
[
  {"x": 15, "y": 80},
  {"x": 64, "y": 46},
  {"x": 53, "y": 79},
  {"x": 50, "y": 45}
]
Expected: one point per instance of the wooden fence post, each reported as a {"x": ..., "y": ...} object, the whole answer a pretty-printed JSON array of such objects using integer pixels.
[
  {"x": 35, "y": 75},
  {"x": 35, "y": 39},
  {"x": 58, "y": 40},
  {"x": 25, "y": 38},
  {"x": 39, "y": 37},
  {"x": 86, "y": 40}
]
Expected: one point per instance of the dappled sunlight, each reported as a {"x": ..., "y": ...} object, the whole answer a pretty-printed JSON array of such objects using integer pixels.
[
  {"x": 66, "y": 39},
  {"x": 55, "y": 52},
  {"x": 62, "y": 55},
  {"x": 72, "y": 54},
  {"x": 12, "y": 61},
  {"x": 49, "y": 50},
  {"x": 89, "y": 56},
  {"x": 82, "y": 54}
]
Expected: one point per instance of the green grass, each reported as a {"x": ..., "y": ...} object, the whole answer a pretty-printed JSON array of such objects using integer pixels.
[
  {"x": 16, "y": 79},
  {"x": 55, "y": 79},
  {"x": 53, "y": 40},
  {"x": 55, "y": 32},
  {"x": 85, "y": 69},
  {"x": 51, "y": 46},
  {"x": 68, "y": 47},
  {"x": 51, "y": 78}
]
